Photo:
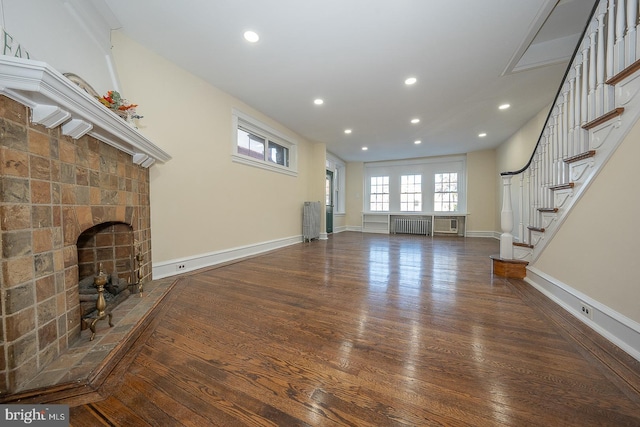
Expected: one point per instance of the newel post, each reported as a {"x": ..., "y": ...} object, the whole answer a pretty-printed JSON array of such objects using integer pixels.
[{"x": 506, "y": 220}]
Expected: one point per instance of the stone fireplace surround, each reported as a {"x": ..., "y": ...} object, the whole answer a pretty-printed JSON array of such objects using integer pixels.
[{"x": 55, "y": 185}]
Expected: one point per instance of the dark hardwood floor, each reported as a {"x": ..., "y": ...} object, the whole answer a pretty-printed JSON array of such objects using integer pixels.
[{"x": 366, "y": 330}]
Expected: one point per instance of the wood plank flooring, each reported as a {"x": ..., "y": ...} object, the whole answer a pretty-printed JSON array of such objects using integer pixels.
[{"x": 363, "y": 330}]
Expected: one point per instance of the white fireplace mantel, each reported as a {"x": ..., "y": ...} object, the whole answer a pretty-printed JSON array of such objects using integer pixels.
[{"x": 56, "y": 100}]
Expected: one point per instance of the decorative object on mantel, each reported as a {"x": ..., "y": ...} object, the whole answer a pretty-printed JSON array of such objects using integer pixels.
[
  {"x": 57, "y": 101},
  {"x": 82, "y": 83},
  {"x": 114, "y": 101}
]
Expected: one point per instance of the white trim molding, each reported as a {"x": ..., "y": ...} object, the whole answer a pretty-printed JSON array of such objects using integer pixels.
[
  {"x": 617, "y": 328},
  {"x": 55, "y": 100},
  {"x": 176, "y": 266}
]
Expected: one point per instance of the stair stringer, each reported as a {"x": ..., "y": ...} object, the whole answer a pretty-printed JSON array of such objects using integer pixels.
[{"x": 605, "y": 139}]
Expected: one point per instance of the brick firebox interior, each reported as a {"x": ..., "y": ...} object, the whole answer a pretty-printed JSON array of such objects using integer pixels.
[{"x": 53, "y": 188}]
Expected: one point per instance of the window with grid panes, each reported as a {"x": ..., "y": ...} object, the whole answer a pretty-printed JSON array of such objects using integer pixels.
[
  {"x": 445, "y": 193},
  {"x": 379, "y": 194},
  {"x": 411, "y": 193}
]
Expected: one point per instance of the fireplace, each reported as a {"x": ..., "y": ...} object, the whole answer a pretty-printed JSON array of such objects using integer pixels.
[
  {"x": 108, "y": 247},
  {"x": 54, "y": 188}
]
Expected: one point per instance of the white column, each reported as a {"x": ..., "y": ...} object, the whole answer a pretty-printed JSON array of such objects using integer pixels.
[
  {"x": 506, "y": 220},
  {"x": 521, "y": 207}
]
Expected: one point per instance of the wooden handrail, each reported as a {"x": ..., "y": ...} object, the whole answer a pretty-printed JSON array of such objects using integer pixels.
[{"x": 562, "y": 82}]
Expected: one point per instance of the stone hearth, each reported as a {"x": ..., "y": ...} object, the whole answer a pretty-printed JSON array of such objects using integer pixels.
[{"x": 54, "y": 188}]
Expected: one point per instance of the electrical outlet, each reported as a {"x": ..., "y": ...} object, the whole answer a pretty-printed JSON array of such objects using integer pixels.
[
  {"x": 586, "y": 310},
  {"x": 181, "y": 267}
]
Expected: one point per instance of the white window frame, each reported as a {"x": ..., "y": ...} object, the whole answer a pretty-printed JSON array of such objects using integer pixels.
[
  {"x": 427, "y": 167},
  {"x": 339, "y": 169},
  {"x": 254, "y": 126},
  {"x": 383, "y": 193},
  {"x": 410, "y": 205},
  {"x": 457, "y": 192}
]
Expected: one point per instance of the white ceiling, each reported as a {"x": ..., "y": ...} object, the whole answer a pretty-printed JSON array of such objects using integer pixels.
[{"x": 356, "y": 54}]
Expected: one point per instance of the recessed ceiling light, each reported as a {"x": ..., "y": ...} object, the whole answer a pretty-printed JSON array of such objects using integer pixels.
[
  {"x": 482, "y": 135},
  {"x": 347, "y": 131},
  {"x": 251, "y": 36},
  {"x": 318, "y": 101},
  {"x": 417, "y": 141},
  {"x": 410, "y": 81},
  {"x": 365, "y": 148},
  {"x": 504, "y": 106},
  {"x": 414, "y": 121}
]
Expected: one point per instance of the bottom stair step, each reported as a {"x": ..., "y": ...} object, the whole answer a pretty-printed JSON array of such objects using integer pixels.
[{"x": 509, "y": 268}]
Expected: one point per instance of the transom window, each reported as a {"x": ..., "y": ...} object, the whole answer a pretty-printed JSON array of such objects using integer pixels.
[
  {"x": 253, "y": 145},
  {"x": 411, "y": 193},
  {"x": 379, "y": 195},
  {"x": 445, "y": 194},
  {"x": 256, "y": 144}
]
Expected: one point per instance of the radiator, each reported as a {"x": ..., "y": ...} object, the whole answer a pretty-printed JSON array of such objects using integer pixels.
[
  {"x": 411, "y": 226},
  {"x": 310, "y": 221}
]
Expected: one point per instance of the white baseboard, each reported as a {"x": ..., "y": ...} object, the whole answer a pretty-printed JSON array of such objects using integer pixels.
[
  {"x": 354, "y": 228},
  {"x": 164, "y": 269},
  {"x": 485, "y": 234},
  {"x": 617, "y": 328}
]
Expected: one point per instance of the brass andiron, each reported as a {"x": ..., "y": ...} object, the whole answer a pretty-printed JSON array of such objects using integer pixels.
[
  {"x": 138, "y": 274},
  {"x": 100, "y": 280},
  {"x": 139, "y": 259}
]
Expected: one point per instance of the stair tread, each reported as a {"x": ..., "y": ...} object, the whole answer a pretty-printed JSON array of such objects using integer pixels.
[
  {"x": 630, "y": 70},
  {"x": 580, "y": 156},
  {"x": 536, "y": 229},
  {"x": 603, "y": 118},
  {"x": 523, "y": 245},
  {"x": 561, "y": 186},
  {"x": 548, "y": 210}
]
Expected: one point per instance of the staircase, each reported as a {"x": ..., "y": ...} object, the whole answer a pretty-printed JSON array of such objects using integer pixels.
[{"x": 596, "y": 106}]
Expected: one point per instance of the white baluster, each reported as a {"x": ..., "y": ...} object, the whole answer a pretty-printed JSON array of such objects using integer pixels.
[
  {"x": 609, "y": 94},
  {"x": 506, "y": 220},
  {"x": 631, "y": 41},
  {"x": 577, "y": 134},
  {"x": 637, "y": 25},
  {"x": 565, "y": 133},
  {"x": 546, "y": 166},
  {"x": 584, "y": 105},
  {"x": 601, "y": 63},
  {"x": 611, "y": 33},
  {"x": 554, "y": 151},
  {"x": 592, "y": 113},
  {"x": 534, "y": 194},
  {"x": 571, "y": 112},
  {"x": 619, "y": 44},
  {"x": 521, "y": 205}
]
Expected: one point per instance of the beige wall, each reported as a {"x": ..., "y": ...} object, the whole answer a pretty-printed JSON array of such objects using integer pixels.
[
  {"x": 354, "y": 184},
  {"x": 481, "y": 191},
  {"x": 515, "y": 152},
  {"x": 201, "y": 201},
  {"x": 600, "y": 260}
]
